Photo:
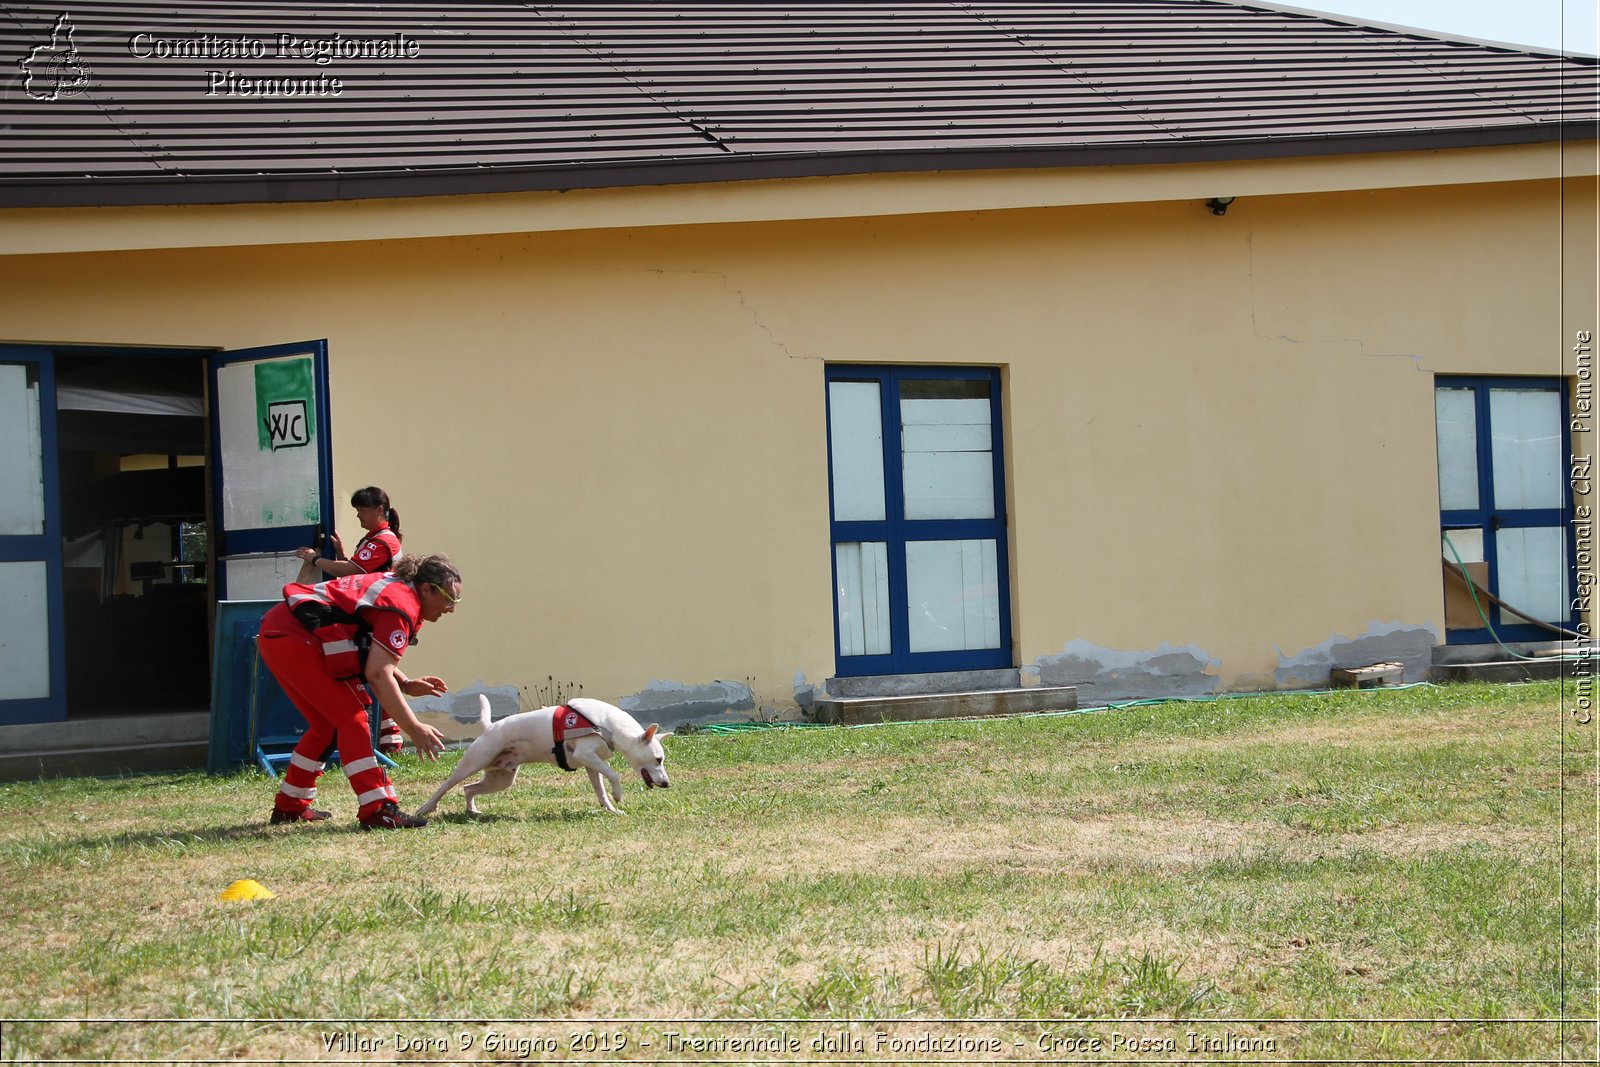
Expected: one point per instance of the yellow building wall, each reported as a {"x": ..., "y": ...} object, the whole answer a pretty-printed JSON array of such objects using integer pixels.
[{"x": 1219, "y": 430}]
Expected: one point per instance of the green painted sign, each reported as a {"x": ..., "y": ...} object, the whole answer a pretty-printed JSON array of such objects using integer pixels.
[{"x": 285, "y": 404}]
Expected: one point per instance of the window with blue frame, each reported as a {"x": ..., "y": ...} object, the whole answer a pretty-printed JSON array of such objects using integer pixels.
[
  {"x": 31, "y": 662},
  {"x": 916, "y": 479},
  {"x": 1505, "y": 508}
]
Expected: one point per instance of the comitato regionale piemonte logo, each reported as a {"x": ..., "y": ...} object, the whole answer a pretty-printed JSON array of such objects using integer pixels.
[{"x": 54, "y": 70}]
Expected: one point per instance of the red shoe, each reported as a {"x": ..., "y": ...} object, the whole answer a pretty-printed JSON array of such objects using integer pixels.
[
  {"x": 390, "y": 817},
  {"x": 309, "y": 815},
  {"x": 392, "y": 748}
]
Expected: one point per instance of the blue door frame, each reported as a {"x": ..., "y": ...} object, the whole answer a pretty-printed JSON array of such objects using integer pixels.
[
  {"x": 44, "y": 546},
  {"x": 1491, "y": 519},
  {"x": 244, "y": 541},
  {"x": 896, "y": 530}
]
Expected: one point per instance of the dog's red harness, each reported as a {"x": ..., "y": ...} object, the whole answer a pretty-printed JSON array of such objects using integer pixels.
[{"x": 570, "y": 724}]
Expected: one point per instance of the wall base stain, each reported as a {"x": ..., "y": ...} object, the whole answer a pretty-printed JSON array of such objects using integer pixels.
[
  {"x": 1410, "y": 646},
  {"x": 1106, "y": 675},
  {"x": 456, "y": 712},
  {"x": 671, "y": 704},
  {"x": 674, "y": 704},
  {"x": 805, "y": 695}
]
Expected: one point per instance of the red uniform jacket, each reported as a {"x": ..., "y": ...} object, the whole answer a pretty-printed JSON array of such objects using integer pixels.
[
  {"x": 349, "y": 613},
  {"x": 377, "y": 551}
]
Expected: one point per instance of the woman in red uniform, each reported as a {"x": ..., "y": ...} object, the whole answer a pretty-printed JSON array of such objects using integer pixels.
[
  {"x": 321, "y": 643},
  {"x": 375, "y": 553}
]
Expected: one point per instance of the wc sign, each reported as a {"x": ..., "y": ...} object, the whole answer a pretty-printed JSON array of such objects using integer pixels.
[
  {"x": 288, "y": 424},
  {"x": 285, "y": 411}
]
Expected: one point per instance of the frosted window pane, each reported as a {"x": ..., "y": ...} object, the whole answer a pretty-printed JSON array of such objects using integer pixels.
[
  {"x": 855, "y": 431},
  {"x": 947, "y": 450},
  {"x": 953, "y": 593},
  {"x": 1468, "y": 544},
  {"x": 863, "y": 576},
  {"x": 266, "y": 411},
  {"x": 21, "y": 456},
  {"x": 1533, "y": 572},
  {"x": 24, "y": 632},
  {"x": 263, "y": 576},
  {"x": 1456, "y": 416},
  {"x": 1526, "y": 448}
]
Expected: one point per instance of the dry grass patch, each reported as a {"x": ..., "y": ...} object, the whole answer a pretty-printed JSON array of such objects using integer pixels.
[{"x": 1272, "y": 858}]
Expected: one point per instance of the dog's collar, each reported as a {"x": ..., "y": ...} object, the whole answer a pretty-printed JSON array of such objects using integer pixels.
[{"x": 570, "y": 724}]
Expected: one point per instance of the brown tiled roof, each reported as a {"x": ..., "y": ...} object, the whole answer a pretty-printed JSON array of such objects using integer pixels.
[{"x": 113, "y": 105}]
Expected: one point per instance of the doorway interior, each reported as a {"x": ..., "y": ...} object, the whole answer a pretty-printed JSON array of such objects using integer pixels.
[{"x": 132, "y": 439}]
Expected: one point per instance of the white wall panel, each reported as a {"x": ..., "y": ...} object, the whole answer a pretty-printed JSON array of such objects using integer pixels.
[
  {"x": 855, "y": 430},
  {"x": 952, "y": 589},
  {"x": 21, "y": 457},
  {"x": 1533, "y": 571},
  {"x": 1456, "y": 421},
  {"x": 24, "y": 635},
  {"x": 863, "y": 576},
  {"x": 1528, "y": 465}
]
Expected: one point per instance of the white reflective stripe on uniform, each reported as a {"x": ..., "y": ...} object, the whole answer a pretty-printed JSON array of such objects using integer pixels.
[
  {"x": 305, "y": 763},
  {"x": 372, "y": 795},
  {"x": 302, "y": 792},
  {"x": 296, "y": 599},
  {"x": 355, "y": 768},
  {"x": 334, "y": 648},
  {"x": 375, "y": 590}
]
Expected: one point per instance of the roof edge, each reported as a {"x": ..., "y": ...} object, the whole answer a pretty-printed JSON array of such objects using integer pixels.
[{"x": 324, "y": 187}]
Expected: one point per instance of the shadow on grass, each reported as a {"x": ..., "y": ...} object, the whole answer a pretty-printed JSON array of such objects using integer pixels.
[
  {"x": 157, "y": 839},
  {"x": 136, "y": 840},
  {"x": 493, "y": 818}
]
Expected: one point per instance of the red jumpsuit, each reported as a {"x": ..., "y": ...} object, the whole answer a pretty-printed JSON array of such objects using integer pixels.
[
  {"x": 311, "y": 643},
  {"x": 374, "y": 554}
]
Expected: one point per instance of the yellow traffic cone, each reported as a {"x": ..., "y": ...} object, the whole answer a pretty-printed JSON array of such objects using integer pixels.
[{"x": 247, "y": 889}]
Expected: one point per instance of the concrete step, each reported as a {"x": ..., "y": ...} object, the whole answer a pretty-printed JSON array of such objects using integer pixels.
[
  {"x": 902, "y": 685},
  {"x": 1491, "y": 663},
  {"x": 1510, "y": 670},
  {"x": 851, "y": 711},
  {"x": 130, "y": 744}
]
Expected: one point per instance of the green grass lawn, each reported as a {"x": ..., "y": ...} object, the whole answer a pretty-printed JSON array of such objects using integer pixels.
[{"x": 1363, "y": 876}]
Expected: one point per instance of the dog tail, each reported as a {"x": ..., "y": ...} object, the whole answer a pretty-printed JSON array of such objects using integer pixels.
[{"x": 483, "y": 710}]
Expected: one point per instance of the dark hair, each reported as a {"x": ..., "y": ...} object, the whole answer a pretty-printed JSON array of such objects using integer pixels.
[
  {"x": 434, "y": 570},
  {"x": 373, "y": 497}
]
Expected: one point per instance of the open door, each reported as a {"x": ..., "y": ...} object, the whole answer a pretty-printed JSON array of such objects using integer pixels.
[{"x": 272, "y": 464}]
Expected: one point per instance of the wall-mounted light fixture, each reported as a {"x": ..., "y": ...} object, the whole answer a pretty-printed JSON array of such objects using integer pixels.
[{"x": 1219, "y": 204}]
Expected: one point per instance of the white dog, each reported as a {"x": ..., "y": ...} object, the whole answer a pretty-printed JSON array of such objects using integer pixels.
[{"x": 580, "y": 733}]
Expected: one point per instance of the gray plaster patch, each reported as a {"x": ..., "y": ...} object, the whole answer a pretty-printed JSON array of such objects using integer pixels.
[
  {"x": 805, "y": 696},
  {"x": 1104, "y": 675},
  {"x": 674, "y": 704},
  {"x": 461, "y": 705},
  {"x": 1410, "y": 646}
]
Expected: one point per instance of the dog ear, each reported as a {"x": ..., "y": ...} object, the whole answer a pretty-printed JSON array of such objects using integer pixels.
[{"x": 650, "y": 731}]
